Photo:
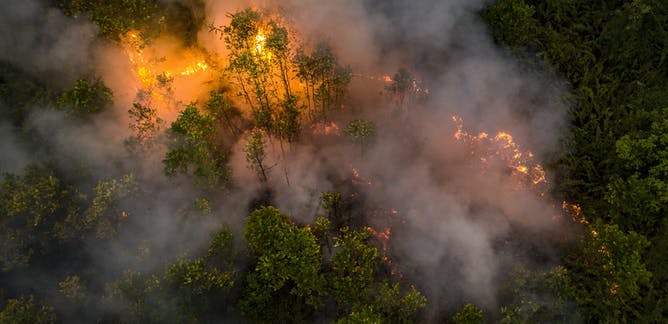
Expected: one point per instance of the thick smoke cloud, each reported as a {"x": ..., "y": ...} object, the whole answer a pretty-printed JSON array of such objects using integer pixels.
[
  {"x": 456, "y": 212},
  {"x": 44, "y": 41}
]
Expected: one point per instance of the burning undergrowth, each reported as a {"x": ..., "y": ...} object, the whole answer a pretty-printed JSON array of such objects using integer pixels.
[{"x": 301, "y": 104}]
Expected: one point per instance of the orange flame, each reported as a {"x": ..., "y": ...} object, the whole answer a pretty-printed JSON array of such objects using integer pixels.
[{"x": 502, "y": 147}]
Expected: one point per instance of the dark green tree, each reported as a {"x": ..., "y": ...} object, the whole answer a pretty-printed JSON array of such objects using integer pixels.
[
  {"x": 470, "y": 314},
  {"x": 86, "y": 97},
  {"x": 255, "y": 155},
  {"x": 361, "y": 132},
  {"x": 285, "y": 284},
  {"x": 192, "y": 146},
  {"x": 27, "y": 311},
  {"x": 607, "y": 275}
]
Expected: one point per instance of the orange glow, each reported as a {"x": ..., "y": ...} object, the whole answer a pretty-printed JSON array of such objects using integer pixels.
[
  {"x": 503, "y": 147},
  {"x": 194, "y": 68},
  {"x": 259, "y": 41},
  {"x": 323, "y": 128},
  {"x": 382, "y": 236}
]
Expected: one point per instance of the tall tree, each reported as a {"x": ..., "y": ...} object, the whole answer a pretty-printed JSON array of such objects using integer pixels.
[
  {"x": 285, "y": 283},
  {"x": 192, "y": 145}
]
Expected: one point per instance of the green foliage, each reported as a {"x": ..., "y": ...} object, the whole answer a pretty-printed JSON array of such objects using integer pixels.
[
  {"x": 362, "y": 314},
  {"x": 198, "y": 287},
  {"x": 134, "y": 298},
  {"x": 192, "y": 145},
  {"x": 362, "y": 132},
  {"x": 612, "y": 53},
  {"x": 85, "y": 98},
  {"x": 397, "y": 305},
  {"x": 221, "y": 108},
  {"x": 287, "y": 120},
  {"x": 353, "y": 267},
  {"x": 607, "y": 275},
  {"x": 537, "y": 296},
  {"x": 72, "y": 289},
  {"x": 117, "y": 17},
  {"x": 638, "y": 192},
  {"x": 104, "y": 212},
  {"x": 221, "y": 248},
  {"x": 254, "y": 150},
  {"x": 30, "y": 207},
  {"x": 20, "y": 93},
  {"x": 470, "y": 314},
  {"x": 512, "y": 22},
  {"x": 285, "y": 282},
  {"x": 145, "y": 125},
  {"x": 27, "y": 311},
  {"x": 325, "y": 79}
]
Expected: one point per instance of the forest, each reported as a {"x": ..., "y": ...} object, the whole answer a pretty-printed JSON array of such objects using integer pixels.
[{"x": 299, "y": 161}]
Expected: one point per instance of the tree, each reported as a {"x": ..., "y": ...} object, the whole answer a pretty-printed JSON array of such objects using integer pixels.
[
  {"x": 254, "y": 150},
  {"x": 285, "y": 282},
  {"x": 192, "y": 145},
  {"x": 145, "y": 125},
  {"x": 607, "y": 275},
  {"x": 362, "y": 132},
  {"x": 536, "y": 296},
  {"x": 137, "y": 298},
  {"x": 86, "y": 97},
  {"x": 117, "y": 17},
  {"x": 72, "y": 289},
  {"x": 402, "y": 88},
  {"x": 221, "y": 108},
  {"x": 512, "y": 22},
  {"x": 27, "y": 311},
  {"x": 470, "y": 314},
  {"x": 325, "y": 80},
  {"x": 30, "y": 207},
  {"x": 250, "y": 64},
  {"x": 353, "y": 268}
]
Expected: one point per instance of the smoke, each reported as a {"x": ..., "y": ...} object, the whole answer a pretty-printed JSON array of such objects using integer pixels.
[
  {"x": 457, "y": 211},
  {"x": 44, "y": 41}
]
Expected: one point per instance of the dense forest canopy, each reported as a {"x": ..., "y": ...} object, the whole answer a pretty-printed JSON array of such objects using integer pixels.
[{"x": 201, "y": 161}]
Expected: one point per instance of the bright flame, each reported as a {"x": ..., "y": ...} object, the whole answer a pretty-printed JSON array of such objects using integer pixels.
[
  {"x": 259, "y": 41},
  {"x": 194, "y": 68},
  {"x": 502, "y": 147}
]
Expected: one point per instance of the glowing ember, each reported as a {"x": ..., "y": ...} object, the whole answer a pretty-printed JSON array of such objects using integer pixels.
[
  {"x": 323, "y": 128},
  {"x": 574, "y": 211},
  {"x": 502, "y": 147},
  {"x": 382, "y": 236},
  {"x": 357, "y": 179}
]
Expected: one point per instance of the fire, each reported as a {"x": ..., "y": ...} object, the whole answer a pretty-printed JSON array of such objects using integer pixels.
[
  {"x": 323, "y": 128},
  {"x": 383, "y": 236},
  {"x": 357, "y": 179},
  {"x": 259, "y": 41},
  {"x": 194, "y": 68},
  {"x": 502, "y": 147}
]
